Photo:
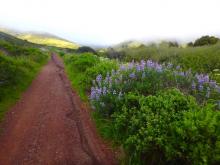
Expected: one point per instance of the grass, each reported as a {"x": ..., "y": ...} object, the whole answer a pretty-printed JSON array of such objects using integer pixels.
[
  {"x": 75, "y": 79},
  {"x": 16, "y": 74}
]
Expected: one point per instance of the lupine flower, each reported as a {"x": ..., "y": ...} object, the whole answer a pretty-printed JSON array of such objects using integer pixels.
[
  {"x": 93, "y": 93},
  {"x": 178, "y": 67},
  {"x": 142, "y": 65},
  {"x": 130, "y": 65},
  {"x": 99, "y": 78},
  {"x": 158, "y": 67},
  {"x": 114, "y": 92},
  {"x": 202, "y": 78},
  {"x": 132, "y": 75},
  {"x": 123, "y": 67},
  {"x": 150, "y": 64},
  {"x": 181, "y": 73},
  {"x": 138, "y": 67}
]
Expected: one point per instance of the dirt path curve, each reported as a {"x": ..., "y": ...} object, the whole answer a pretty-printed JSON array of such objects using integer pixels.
[{"x": 51, "y": 126}]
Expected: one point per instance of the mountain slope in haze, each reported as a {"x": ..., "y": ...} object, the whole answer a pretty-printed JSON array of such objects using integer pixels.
[
  {"x": 41, "y": 38},
  {"x": 14, "y": 40},
  {"x": 46, "y": 39}
]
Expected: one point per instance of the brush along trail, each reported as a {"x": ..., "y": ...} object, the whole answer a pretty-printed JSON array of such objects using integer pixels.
[{"x": 50, "y": 125}]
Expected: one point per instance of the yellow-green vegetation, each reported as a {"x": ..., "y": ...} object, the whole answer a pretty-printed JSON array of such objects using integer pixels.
[
  {"x": 18, "y": 66},
  {"x": 48, "y": 40}
]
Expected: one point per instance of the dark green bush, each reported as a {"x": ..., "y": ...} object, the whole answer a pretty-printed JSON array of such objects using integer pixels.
[{"x": 206, "y": 40}]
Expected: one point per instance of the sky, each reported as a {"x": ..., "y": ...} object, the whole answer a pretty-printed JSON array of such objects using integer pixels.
[{"x": 106, "y": 22}]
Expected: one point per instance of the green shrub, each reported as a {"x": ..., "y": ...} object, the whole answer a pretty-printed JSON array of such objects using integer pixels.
[
  {"x": 206, "y": 40},
  {"x": 83, "y": 61},
  {"x": 16, "y": 73},
  {"x": 168, "y": 128}
]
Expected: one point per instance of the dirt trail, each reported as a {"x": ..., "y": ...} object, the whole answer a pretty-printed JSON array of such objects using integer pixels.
[{"x": 50, "y": 125}]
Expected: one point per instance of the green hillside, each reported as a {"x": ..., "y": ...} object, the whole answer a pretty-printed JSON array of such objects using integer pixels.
[
  {"x": 49, "y": 40},
  {"x": 20, "y": 61},
  {"x": 41, "y": 38}
]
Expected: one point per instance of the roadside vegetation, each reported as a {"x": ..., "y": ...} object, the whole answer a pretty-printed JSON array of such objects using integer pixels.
[
  {"x": 159, "y": 103},
  {"x": 19, "y": 64}
]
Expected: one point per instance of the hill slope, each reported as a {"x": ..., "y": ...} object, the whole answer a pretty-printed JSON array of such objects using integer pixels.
[
  {"x": 41, "y": 38},
  {"x": 49, "y": 40}
]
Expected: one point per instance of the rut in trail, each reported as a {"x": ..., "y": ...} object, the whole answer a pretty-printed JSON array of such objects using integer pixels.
[{"x": 50, "y": 125}]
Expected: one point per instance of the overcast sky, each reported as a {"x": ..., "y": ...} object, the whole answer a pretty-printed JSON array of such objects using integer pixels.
[{"x": 104, "y": 22}]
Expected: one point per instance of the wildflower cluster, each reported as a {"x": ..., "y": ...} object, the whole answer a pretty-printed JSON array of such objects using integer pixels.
[
  {"x": 150, "y": 107},
  {"x": 148, "y": 77}
]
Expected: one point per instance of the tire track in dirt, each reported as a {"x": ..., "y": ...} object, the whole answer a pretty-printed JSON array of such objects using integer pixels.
[{"x": 50, "y": 125}]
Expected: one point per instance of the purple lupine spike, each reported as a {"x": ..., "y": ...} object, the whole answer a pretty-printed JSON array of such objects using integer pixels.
[
  {"x": 132, "y": 75},
  {"x": 93, "y": 93},
  {"x": 142, "y": 65},
  {"x": 131, "y": 65},
  {"x": 99, "y": 78},
  {"x": 158, "y": 67},
  {"x": 202, "y": 78},
  {"x": 123, "y": 67},
  {"x": 178, "y": 67},
  {"x": 138, "y": 67},
  {"x": 181, "y": 73},
  {"x": 150, "y": 64}
]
